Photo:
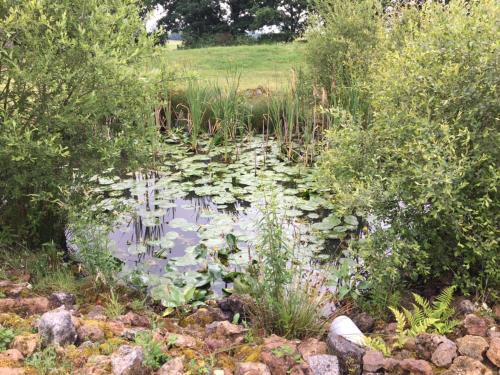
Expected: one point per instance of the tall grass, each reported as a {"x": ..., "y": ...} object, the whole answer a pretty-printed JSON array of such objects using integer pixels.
[{"x": 196, "y": 97}]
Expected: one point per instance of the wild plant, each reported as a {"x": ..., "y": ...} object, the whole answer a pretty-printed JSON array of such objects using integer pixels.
[
  {"x": 154, "y": 357},
  {"x": 196, "y": 97},
  {"x": 6, "y": 336},
  {"x": 113, "y": 307},
  {"x": 286, "y": 300},
  {"x": 44, "y": 362}
]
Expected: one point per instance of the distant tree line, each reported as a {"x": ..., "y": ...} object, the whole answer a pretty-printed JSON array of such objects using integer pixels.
[{"x": 229, "y": 21}]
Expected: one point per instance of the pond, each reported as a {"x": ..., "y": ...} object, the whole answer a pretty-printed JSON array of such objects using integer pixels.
[{"x": 194, "y": 222}]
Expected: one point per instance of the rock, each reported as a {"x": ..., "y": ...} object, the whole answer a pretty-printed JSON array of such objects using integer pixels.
[
  {"x": 224, "y": 328},
  {"x": 128, "y": 360},
  {"x": 131, "y": 333},
  {"x": 467, "y": 366},
  {"x": 182, "y": 341},
  {"x": 311, "y": 347},
  {"x": 90, "y": 332},
  {"x": 133, "y": 319},
  {"x": 97, "y": 312},
  {"x": 27, "y": 306},
  {"x": 173, "y": 367},
  {"x": 472, "y": 346},
  {"x": 62, "y": 299},
  {"x": 214, "y": 344},
  {"x": 475, "y": 325},
  {"x": 416, "y": 366},
  {"x": 13, "y": 356},
  {"x": 251, "y": 368},
  {"x": 493, "y": 352},
  {"x": 11, "y": 371},
  {"x": 350, "y": 355},
  {"x": 26, "y": 344},
  {"x": 12, "y": 289},
  {"x": 56, "y": 328},
  {"x": 493, "y": 332},
  {"x": 96, "y": 365},
  {"x": 436, "y": 348},
  {"x": 345, "y": 327},
  {"x": 373, "y": 361},
  {"x": 324, "y": 364},
  {"x": 496, "y": 312},
  {"x": 279, "y": 363},
  {"x": 115, "y": 327},
  {"x": 300, "y": 369},
  {"x": 233, "y": 305},
  {"x": 204, "y": 316},
  {"x": 364, "y": 322},
  {"x": 275, "y": 342},
  {"x": 466, "y": 306}
]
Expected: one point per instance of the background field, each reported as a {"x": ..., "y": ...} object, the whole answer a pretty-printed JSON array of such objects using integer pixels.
[{"x": 268, "y": 65}]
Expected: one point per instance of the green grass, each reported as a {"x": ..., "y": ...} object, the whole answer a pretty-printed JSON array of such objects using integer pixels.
[{"x": 266, "y": 65}]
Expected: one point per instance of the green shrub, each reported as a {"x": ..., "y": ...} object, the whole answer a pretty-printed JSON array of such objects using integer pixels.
[
  {"x": 342, "y": 42},
  {"x": 74, "y": 102},
  {"x": 44, "y": 362},
  {"x": 426, "y": 168}
]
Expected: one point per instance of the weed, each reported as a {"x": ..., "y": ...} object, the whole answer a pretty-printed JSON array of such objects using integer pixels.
[
  {"x": 138, "y": 305},
  {"x": 60, "y": 280},
  {"x": 113, "y": 307},
  {"x": 44, "y": 362},
  {"x": 154, "y": 357},
  {"x": 6, "y": 336}
]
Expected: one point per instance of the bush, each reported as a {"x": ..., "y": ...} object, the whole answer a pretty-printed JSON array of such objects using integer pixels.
[
  {"x": 342, "y": 42},
  {"x": 73, "y": 103},
  {"x": 426, "y": 167}
]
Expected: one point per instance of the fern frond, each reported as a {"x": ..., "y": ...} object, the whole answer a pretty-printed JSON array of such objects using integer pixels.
[
  {"x": 421, "y": 327},
  {"x": 422, "y": 302},
  {"x": 376, "y": 343},
  {"x": 444, "y": 300},
  {"x": 400, "y": 319}
]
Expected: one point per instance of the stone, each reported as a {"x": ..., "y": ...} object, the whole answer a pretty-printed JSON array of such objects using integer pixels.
[
  {"x": 416, "y": 366},
  {"x": 224, "y": 328},
  {"x": 324, "y": 364},
  {"x": 56, "y": 328},
  {"x": 233, "y": 305},
  {"x": 128, "y": 360},
  {"x": 90, "y": 332},
  {"x": 133, "y": 319},
  {"x": 475, "y": 325},
  {"x": 131, "y": 333},
  {"x": 181, "y": 341},
  {"x": 350, "y": 355},
  {"x": 13, "y": 356},
  {"x": 26, "y": 306},
  {"x": 11, "y": 371},
  {"x": 26, "y": 344},
  {"x": 279, "y": 364},
  {"x": 472, "y": 346},
  {"x": 311, "y": 347},
  {"x": 12, "y": 289},
  {"x": 58, "y": 299},
  {"x": 436, "y": 348},
  {"x": 445, "y": 353},
  {"x": 466, "y": 306},
  {"x": 251, "y": 368},
  {"x": 204, "y": 316},
  {"x": 97, "y": 312},
  {"x": 214, "y": 344},
  {"x": 274, "y": 342},
  {"x": 115, "y": 327},
  {"x": 96, "y": 365},
  {"x": 373, "y": 361},
  {"x": 493, "y": 352},
  {"x": 173, "y": 367},
  {"x": 364, "y": 321},
  {"x": 463, "y": 365}
]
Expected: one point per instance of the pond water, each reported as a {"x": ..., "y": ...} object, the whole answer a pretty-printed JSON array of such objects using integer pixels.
[{"x": 194, "y": 221}]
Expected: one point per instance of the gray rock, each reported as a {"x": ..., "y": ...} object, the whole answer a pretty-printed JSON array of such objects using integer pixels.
[
  {"x": 251, "y": 368},
  {"x": 445, "y": 353},
  {"x": 62, "y": 299},
  {"x": 350, "y": 355},
  {"x": 373, "y": 361},
  {"x": 364, "y": 321},
  {"x": 173, "y": 367},
  {"x": 466, "y": 306},
  {"x": 56, "y": 328},
  {"x": 128, "y": 360},
  {"x": 131, "y": 333},
  {"x": 472, "y": 346},
  {"x": 324, "y": 364}
]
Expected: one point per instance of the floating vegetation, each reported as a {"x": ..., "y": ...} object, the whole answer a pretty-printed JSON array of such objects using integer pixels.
[{"x": 192, "y": 224}]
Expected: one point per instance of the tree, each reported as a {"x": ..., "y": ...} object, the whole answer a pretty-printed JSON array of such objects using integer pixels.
[
  {"x": 287, "y": 16},
  {"x": 194, "y": 18},
  {"x": 73, "y": 103}
]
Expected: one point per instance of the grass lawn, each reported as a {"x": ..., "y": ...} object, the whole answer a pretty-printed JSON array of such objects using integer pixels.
[{"x": 267, "y": 65}]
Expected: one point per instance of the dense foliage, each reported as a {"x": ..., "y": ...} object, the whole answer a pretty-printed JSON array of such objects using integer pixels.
[
  {"x": 425, "y": 169},
  {"x": 209, "y": 22},
  {"x": 72, "y": 102}
]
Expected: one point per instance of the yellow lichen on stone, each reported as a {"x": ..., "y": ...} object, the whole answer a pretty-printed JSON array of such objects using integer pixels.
[
  {"x": 12, "y": 320},
  {"x": 110, "y": 345},
  {"x": 248, "y": 353}
]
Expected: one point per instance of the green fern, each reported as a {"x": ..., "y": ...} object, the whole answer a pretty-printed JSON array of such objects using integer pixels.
[
  {"x": 425, "y": 317},
  {"x": 376, "y": 343}
]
